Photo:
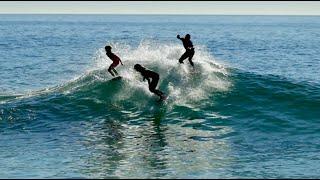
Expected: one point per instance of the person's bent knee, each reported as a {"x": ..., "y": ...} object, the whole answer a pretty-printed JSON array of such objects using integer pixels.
[{"x": 152, "y": 90}]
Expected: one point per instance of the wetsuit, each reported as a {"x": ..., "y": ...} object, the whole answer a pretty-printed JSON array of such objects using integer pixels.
[
  {"x": 187, "y": 44},
  {"x": 147, "y": 74}
]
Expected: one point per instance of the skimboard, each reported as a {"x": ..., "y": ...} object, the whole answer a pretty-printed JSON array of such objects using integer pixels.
[
  {"x": 116, "y": 78},
  {"x": 163, "y": 98}
]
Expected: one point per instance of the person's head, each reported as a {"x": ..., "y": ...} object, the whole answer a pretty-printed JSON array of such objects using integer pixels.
[
  {"x": 138, "y": 67},
  {"x": 107, "y": 48},
  {"x": 187, "y": 36}
]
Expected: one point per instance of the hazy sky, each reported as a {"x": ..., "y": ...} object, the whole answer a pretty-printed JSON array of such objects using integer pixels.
[{"x": 162, "y": 7}]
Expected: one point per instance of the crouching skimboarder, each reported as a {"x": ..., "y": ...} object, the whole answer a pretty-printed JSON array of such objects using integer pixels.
[{"x": 153, "y": 79}]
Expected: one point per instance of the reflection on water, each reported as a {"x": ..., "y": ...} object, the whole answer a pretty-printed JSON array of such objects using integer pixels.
[{"x": 152, "y": 146}]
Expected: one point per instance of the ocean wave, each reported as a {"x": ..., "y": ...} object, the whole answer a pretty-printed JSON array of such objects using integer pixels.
[
  {"x": 179, "y": 81},
  {"x": 213, "y": 91}
]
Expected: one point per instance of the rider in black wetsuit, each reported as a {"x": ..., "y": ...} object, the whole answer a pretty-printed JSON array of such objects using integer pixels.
[
  {"x": 147, "y": 74},
  {"x": 189, "y": 49}
]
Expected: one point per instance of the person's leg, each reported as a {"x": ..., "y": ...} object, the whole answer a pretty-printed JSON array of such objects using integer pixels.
[
  {"x": 190, "y": 58},
  {"x": 153, "y": 84},
  {"x": 114, "y": 70},
  {"x": 183, "y": 57},
  {"x": 159, "y": 93},
  {"x": 110, "y": 70},
  {"x": 152, "y": 87}
]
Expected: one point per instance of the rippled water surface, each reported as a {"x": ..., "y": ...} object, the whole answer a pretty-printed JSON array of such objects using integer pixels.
[{"x": 250, "y": 109}]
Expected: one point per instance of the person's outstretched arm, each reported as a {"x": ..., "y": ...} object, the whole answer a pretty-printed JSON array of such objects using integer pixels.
[{"x": 178, "y": 36}]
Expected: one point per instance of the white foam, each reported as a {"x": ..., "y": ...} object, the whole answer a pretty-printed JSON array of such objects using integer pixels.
[
  {"x": 183, "y": 85},
  {"x": 179, "y": 80}
]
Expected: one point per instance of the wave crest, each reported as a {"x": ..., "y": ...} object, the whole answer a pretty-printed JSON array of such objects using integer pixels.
[{"x": 180, "y": 82}]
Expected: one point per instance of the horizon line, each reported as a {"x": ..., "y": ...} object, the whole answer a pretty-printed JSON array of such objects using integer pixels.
[{"x": 160, "y": 14}]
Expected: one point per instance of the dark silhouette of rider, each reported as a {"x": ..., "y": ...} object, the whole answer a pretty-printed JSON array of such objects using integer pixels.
[
  {"x": 153, "y": 79},
  {"x": 115, "y": 60},
  {"x": 187, "y": 44}
]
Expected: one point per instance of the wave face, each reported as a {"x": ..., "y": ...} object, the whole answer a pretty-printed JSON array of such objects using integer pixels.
[
  {"x": 183, "y": 85},
  {"x": 215, "y": 115}
]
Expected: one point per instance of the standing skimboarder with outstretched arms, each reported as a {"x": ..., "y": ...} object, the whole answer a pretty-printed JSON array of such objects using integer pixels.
[{"x": 187, "y": 44}]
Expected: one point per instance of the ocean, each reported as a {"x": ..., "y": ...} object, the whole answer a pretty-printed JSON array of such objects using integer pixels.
[{"x": 249, "y": 109}]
